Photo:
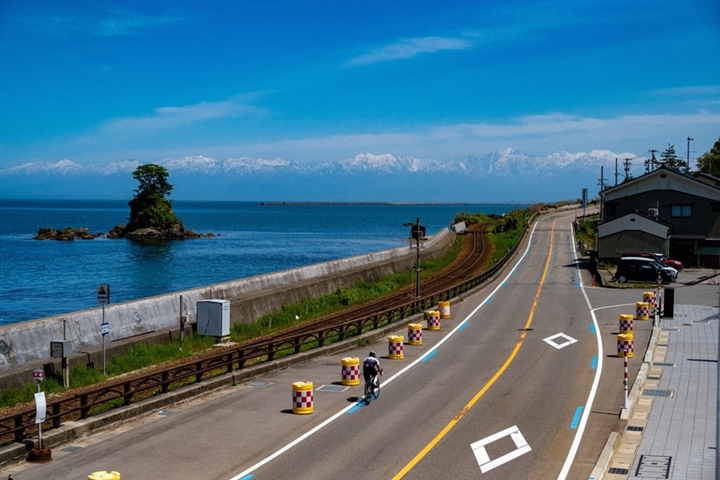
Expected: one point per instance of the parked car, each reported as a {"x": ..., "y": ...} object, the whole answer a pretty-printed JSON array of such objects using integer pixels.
[
  {"x": 642, "y": 269},
  {"x": 668, "y": 262}
]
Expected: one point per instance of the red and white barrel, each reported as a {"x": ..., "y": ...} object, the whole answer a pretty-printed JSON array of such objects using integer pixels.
[
  {"x": 625, "y": 345},
  {"x": 626, "y": 323},
  {"x": 651, "y": 299},
  {"x": 415, "y": 334},
  {"x": 433, "y": 319},
  {"x": 642, "y": 311},
  {"x": 350, "y": 371},
  {"x": 444, "y": 308},
  {"x": 396, "y": 347},
  {"x": 302, "y": 397}
]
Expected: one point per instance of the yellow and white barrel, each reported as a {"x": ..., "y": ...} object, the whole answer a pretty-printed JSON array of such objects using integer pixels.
[
  {"x": 396, "y": 347},
  {"x": 625, "y": 344},
  {"x": 104, "y": 475},
  {"x": 642, "y": 311},
  {"x": 350, "y": 371},
  {"x": 415, "y": 334},
  {"x": 444, "y": 308},
  {"x": 302, "y": 397},
  {"x": 626, "y": 323}
]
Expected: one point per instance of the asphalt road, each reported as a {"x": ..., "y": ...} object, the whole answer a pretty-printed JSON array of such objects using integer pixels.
[{"x": 510, "y": 387}]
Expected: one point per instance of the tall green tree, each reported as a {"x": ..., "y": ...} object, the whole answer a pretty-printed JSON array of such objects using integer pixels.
[
  {"x": 150, "y": 208},
  {"x": 709, "y": 162},
  {"x": 670, "y": 159}
]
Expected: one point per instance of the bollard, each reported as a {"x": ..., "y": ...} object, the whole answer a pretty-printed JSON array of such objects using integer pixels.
[
  {"x": 104, "y": 476},
  {"x": 414, "y": 334},
  {"x": 669, "y": 303},
  {"x": 651, "y": 300},
  {"x": 444, "y": 308},
  {"x": 626, "y": 323},
  {"x": 625, "y": 345},
  {"x": 302, "y": 398},
  {"x": 396, "y": 349},
  {"x": 433, "y": 319},
  {"x": 642, "y": 311},
  {"x": 350, "y": 371}
]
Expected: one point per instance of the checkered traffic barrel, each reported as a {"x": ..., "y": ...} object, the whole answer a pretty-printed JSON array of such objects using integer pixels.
[
  {"x": 650, "y": 299},
  {"x": 104, "y": 475},
  {"x": 433, "y": 319},
  {"x": 444, "y": 308},
  {"x": 626, "y": 323},
  {"x": 302, "y": 397},
  {"x": 350, "y": 371},
  {"x": 625, "y": 344},
  {"x": 396, "y": 348},
  {"x": 642, "y": 311},
  {"x": 414, "y": 334}
]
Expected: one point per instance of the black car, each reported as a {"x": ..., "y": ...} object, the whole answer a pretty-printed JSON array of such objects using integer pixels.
[{"x": 643, "y": 269}]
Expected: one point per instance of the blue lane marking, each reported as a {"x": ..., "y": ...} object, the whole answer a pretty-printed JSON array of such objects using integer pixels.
[
  {"x": 576, "y": 418},
  {"x": 592, "y": 328},
  {"x": 357, "y": 407},
  {"x": 593, "y": 365},
  {"x": 463, "y": 325},
  {"x": 429, "y": 356},
  {"x": 247, "y": 477}
]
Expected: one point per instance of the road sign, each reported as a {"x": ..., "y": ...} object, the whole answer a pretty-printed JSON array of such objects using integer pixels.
[
  {"x": 105, "y": 328},
  {"x": 103, "y": 294},
  {"x": 38, "y": 374}
]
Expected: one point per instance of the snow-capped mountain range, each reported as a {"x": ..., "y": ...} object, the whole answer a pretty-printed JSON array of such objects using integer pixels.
[{"x": 503, "y": 176}]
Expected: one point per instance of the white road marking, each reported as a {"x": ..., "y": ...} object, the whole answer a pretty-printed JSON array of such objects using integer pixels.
[
  {"x": 568, "y": 341},
  {"x": 483, "y": 458}
]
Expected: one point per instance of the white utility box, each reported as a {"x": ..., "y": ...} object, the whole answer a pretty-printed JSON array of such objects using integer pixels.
[{"x": 213, "y": 318}]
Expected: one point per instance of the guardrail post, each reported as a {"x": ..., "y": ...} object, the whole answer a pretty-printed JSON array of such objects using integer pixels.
[
  {"x": 127, "y": 397},
  {"x": 198, "y": 372},
  {"x": 19, "y": 429},
  {"x": 84, "y": 409},
  {"x": 56, "y": 415}
]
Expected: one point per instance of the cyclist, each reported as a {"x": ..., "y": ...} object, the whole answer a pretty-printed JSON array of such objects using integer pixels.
[{"x": 371, "y": 367}]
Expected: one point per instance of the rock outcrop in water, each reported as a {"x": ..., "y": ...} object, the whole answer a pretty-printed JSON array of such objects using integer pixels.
[{"x": 66, "y": 234}]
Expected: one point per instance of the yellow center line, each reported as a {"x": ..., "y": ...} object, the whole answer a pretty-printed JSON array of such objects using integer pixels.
[{"x": 489, "y": 384}]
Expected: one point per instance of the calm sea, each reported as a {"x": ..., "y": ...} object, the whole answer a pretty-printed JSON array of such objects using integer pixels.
[{"x": 44, "y": 278}]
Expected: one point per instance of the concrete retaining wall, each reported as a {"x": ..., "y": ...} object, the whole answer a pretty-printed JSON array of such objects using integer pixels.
[{"x": 26, "y": 345}]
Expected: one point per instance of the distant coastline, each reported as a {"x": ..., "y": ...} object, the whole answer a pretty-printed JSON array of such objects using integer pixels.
[{"x": 388, "y": 203}]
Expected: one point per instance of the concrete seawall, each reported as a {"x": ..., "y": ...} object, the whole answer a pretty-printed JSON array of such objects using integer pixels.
[{"x": 26, "y": 345}]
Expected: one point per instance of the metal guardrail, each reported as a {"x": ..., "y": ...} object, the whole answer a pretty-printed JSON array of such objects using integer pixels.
[{"x": 17, "y": 426}]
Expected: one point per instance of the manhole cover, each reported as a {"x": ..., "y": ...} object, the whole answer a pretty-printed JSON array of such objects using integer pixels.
[
  {"x": 653, "y": 466},
  {"x": 657, "y": 393},
  {"x": 258, "y": 383},
  {"x": 333, "y": 388}
]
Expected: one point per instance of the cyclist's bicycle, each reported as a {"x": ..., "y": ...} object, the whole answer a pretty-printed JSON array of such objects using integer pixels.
[{"x": 372, "y": 388}]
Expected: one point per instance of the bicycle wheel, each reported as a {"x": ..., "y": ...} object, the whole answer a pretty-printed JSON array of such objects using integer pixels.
[{"x": 375, "y": 387}]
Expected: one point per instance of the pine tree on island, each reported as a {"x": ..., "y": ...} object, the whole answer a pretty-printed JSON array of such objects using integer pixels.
[{"x": 151, "y": 213}]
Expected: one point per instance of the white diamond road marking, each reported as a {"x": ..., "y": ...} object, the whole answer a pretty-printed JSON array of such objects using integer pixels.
[
  {"x": 483, "y": 458},
  {"x": 569, "y": 341}
]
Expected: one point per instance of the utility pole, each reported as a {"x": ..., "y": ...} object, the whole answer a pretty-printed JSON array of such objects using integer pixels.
[
  {"x": 627, "y": 164},
  {"x": 687, "y": 166},
  {"x": 650, "y": 164},
  {"x": 616, "y": 171}
]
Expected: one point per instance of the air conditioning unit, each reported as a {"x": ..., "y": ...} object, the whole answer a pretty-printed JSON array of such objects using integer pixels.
[{"x": 653, "y": 212}]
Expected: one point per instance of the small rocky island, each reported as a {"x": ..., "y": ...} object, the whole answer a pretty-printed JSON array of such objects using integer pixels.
[{"x": 151, "y": 213}]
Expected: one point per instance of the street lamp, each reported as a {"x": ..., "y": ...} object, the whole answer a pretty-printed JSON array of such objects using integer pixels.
[{"x": 417, "y": 232}]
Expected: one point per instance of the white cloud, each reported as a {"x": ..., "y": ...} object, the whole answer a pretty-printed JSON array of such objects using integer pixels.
[{"x": 409, "y": 48}]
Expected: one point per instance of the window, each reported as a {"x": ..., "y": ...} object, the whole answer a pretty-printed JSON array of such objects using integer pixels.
[
  {"x": 610, "y": 209},
  {"x": 683, "y": 211}
]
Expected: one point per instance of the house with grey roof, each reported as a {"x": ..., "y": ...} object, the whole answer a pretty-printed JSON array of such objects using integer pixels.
[{"x": 664, "y": 211}]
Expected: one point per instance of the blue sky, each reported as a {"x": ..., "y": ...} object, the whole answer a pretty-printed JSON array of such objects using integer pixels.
[{"x": 102, "y": 82}]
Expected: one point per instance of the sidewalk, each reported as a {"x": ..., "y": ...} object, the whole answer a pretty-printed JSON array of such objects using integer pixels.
[{"x": 670, "y": 432}]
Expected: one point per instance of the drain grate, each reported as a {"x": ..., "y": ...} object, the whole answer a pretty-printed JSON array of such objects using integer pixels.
[
  {"x": 653, "y": 378},
  {"x": 618, "y": 471},
  {"x": 663, "y": 364},
  {"x": 333, "y": 388},
  {"x": 634, "y": 428},
  {"x": 650, "y": 392},
  {"x": 653, "y": 466}
]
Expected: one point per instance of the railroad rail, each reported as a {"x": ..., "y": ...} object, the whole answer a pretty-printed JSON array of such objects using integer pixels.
[{"x": 19, "y": 424}]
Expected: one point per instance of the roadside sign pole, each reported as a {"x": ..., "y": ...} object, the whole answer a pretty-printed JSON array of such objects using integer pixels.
[
  {"x": 103, "y": 297},
  {"x": 625, "y": 381}
]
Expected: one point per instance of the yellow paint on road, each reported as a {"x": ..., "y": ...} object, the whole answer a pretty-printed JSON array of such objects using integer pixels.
[{"x": 490, "y": 383}]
